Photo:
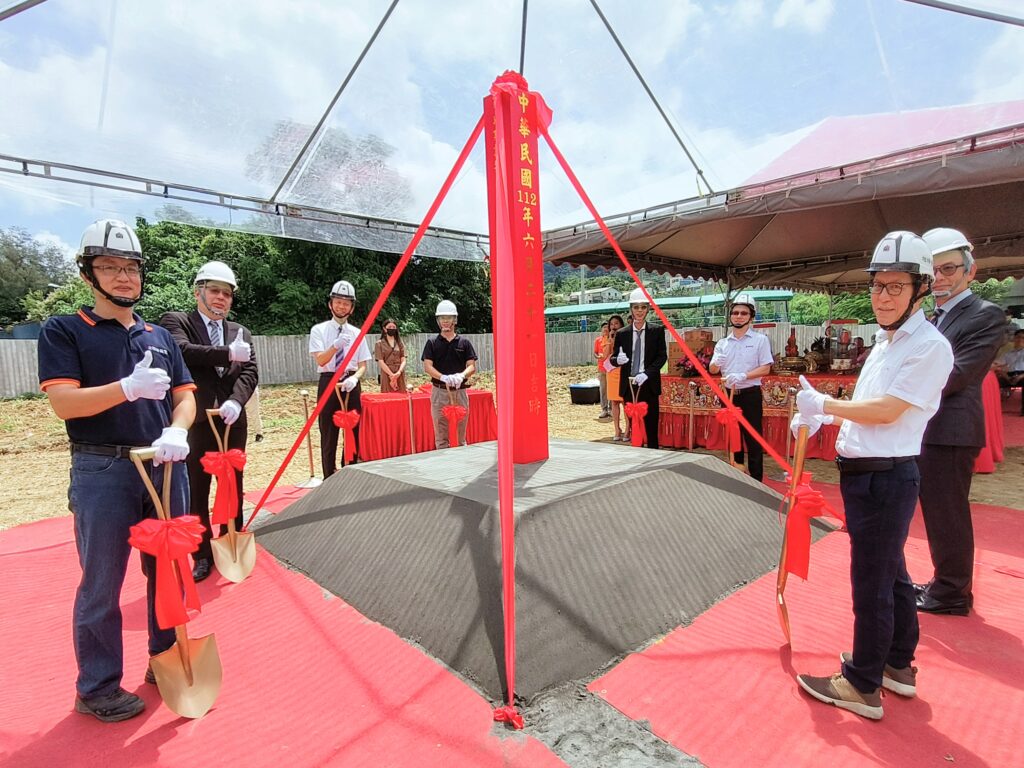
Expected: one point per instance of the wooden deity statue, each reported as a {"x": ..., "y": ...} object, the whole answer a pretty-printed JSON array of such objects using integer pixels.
[{"x": 792, "y": 350}]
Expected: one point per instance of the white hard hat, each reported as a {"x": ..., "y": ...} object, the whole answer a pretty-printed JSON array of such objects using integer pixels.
[
  {"x": 636, "y": 296},
  {"x": 218, "y": 271},
  {"x": 446, "y": 308},
  {"x": 942, "y": 239},
  {"x": 745, "y": 298},
  {"x": 109, "y": 237},
  {"x": 343, "y": 290},
  {"x": 903, "y": 251}
]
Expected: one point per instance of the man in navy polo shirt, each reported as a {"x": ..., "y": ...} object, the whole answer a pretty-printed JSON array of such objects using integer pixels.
[
  {"x": 448, "y": 359},
  {"x": 118, "y": 383}
]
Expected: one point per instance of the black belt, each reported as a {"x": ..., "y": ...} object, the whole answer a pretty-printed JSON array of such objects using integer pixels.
[
  {"x": 341, "y": 378},
  {"x": 872, "y": 464},
  {"x": 117, "y": 451},
  {"x": 441, "y": 385}
]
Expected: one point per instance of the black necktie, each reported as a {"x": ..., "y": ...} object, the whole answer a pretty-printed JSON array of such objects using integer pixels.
[{"x": 937, "y": 317}]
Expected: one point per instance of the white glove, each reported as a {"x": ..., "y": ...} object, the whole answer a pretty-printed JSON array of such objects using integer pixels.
[
  {"x": 230, "y": 411},
  {"x": 813, "y": 423},
  {"x": 621, "y": 358},
  {"x": 457, "y": 379},
  {"x": 809, "y": 401},
  {"x": 732, "y": 379},
  {"x": 340, "y": 342},
  {"x": 147, "y": 382},
  {"x": 172, "y": 445},
  {"x": 349, "y": 384},
  {"x": 640, "y": 378},
  {"x": 239, "y": 350}
]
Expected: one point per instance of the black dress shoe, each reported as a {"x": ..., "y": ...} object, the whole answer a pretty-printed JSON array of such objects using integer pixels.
[
  {"x": 201, "y": 569},
  {"x": 921, "y": 589},
  {"x": 928, "y": 604}
]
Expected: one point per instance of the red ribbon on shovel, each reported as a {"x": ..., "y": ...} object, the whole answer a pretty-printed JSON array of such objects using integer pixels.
[
  {"x": 454, "y": 414},
  {"x": 169, "y": 541},
  {"x": 635, "y": 412},
  {"x": 348, "y": 420},
  {"x": 728, "y": 419},
  {"x": 808, "y": 503},
  {"x": 223, "y": 466}
]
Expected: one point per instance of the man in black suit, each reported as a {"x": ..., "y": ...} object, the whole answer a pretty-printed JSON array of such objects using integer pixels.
[
  {"x": 219, "y": 355},
  {"x": 640, "y": 350},
  {"x": 956, "y": 433}
]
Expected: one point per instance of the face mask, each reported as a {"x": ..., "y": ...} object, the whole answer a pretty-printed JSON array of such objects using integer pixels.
[{"x": 392, "y": 331}]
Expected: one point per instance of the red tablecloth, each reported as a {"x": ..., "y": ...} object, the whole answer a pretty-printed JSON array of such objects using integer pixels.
[
  {"x": 992, "y": 453},
  {"x": 708, "y": 433},
  {"x": 384, "y": 423}
]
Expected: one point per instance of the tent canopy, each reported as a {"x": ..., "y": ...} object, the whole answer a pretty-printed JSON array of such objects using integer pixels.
[
  {"x": 668, "y": 304},
  {"x": 338, "y": 121}
]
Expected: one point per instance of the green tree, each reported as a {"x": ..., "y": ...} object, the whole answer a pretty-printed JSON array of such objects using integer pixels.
[
  {"x": 26, "y": 266},
  {"x": 808, "y": 308}
]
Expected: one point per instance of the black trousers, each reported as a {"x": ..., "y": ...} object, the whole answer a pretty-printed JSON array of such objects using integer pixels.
[
  {"x": 329, "y": 432},
  {"x": 201, "y": 440},
  {"x": 946, "y": 475},
  {"x": 751, "y": 403}
]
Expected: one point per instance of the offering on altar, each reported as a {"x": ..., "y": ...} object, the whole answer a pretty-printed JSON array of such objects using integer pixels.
[{"x": 792, "y": 350}]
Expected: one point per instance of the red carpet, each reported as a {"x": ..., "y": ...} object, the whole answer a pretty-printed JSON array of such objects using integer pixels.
[
  {"x": 307, "y": 680},
  {"x": 722, "y": 689},
  {"x": 279, "y": 498}
]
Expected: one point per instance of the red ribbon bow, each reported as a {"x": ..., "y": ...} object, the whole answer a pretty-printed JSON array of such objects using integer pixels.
[
  {"x": 509, "y": 714},
  {"x": 223, "y": 466},
  {"x": 635, "y": 412},
  {"x": 807, "y": 503},
  {"x": 347, "y": 420},
  {"x": 729, "y": 419},
  {"x": 171, "y": 541},
  {"x": 454, "y": 414}
]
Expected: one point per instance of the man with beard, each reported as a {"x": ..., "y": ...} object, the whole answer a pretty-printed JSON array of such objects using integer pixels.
[
  {"x": 743, "y": 357},
  {"x": 329, "y": 342}
]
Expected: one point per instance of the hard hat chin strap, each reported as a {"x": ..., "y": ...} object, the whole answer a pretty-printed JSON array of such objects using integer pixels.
[
  {"x": 918, "y": 282},
  {"x": 205, "y": 303},
  {"x": 119, "y": 301}
]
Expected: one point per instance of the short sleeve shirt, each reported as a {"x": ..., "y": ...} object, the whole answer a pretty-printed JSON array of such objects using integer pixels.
[
  {"x": 322, "y": 336},
  {"x": 85, "y": 350},
  {"x": 913, "y": 366},
  {"x": 449, "y": 356},
  {"x": 744, "y": 354}
]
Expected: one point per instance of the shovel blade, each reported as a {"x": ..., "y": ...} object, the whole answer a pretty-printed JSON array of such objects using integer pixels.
[
  {"x": 181, "y": 698},
  {"x": 238, "y": 564}
]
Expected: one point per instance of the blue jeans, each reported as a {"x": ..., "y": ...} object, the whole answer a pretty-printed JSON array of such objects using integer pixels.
[
  {"x": 879, "y": 507},
  {"x": 107, "y": 497}
]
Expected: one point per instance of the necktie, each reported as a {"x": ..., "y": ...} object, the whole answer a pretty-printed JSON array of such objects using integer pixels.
[
  {"x": 937, "y": 317},
  {"x": 339, "y": 356},
  {"x": 638, "y": 352},
  {"x": 215, "y": 340}
]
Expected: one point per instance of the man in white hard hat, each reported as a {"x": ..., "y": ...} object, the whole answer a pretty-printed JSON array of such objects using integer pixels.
[
  {"x": 219, "y": 353},
  {"x": 956, "y": 434},
  {"x": 118, "y": 383},
  {"x": 639, "y": 349},
  {"x": 329, "y": 343},
  {"x": 743, "y": 356},
  {"x": 879, "y": 438},
  {"x": 449, "y": 360}
]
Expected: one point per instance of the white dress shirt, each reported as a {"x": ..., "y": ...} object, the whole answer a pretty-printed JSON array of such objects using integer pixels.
[
  {"x": 913, "y": 366},
  {"x": 322, "y": 336},
  {"x": 743, "y": 354}
]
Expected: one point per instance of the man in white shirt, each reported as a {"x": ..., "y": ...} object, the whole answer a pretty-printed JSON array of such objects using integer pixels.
[
  {"x": 743, "y": 357},
  {"x": 1009, "y": 367},
  {"x": 329, "y": 342},
  {"x": 882, "y": 430}
]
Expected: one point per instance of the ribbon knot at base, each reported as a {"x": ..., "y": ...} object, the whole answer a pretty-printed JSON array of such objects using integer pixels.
[{"x": 171, "y": 541}]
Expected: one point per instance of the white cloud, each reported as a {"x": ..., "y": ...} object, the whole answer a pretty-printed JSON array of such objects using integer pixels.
[
  {"x": 999, "y": 72},
  {"x": 811, "y": 15},
  {"x": 50, "y": 239}
]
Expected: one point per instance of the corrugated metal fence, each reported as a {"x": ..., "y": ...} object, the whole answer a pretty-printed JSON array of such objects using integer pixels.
[{"x": 286, "y": 360}]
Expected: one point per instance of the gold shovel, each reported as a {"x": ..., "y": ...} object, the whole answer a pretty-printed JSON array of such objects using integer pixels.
[
  {"x": 235, "y": 552},
  {"x": 412, "y": 425},
  {"x": 794, "y": 482},
  {"x": 188, "y": 674}
]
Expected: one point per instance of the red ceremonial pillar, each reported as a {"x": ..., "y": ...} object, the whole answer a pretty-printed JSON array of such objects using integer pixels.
[{"x": 512, "y": 115}]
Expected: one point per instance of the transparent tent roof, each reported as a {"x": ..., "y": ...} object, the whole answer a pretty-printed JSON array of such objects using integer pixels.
[{"x": 339, "y": 121}]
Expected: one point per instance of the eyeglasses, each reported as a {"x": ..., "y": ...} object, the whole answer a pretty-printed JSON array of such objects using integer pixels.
[
  {"x": 893, "y": 289},
  {"x": 641, "y": 307},
  {"x": 741, "y": 312},
  {"x": 949, "y": 269},
  {"x": 111, "y": 271}
]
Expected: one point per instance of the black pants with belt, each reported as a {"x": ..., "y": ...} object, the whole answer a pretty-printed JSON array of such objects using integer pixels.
[
  {"x": 879, "y": 506},
  {"x": 750, "y": 402},
  {"x": 329, "y": 432}
]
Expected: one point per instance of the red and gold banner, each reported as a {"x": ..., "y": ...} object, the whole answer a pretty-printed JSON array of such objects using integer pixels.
[{"x": 512, "y": 116}]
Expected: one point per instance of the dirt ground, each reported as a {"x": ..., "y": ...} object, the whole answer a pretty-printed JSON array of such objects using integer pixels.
[{"x": 34, "y": 461}]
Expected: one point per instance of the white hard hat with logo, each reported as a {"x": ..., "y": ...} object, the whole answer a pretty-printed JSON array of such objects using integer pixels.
[
  {"x": 746, "y": 298},
  {"x": 109, "y": 237},
  {"x": 636, "y": 296},
  {"x": 446, "y": 308},
  {"x": 943, "y": 239},
  {"x": 903, "y": 251},
  {"x": 343, "y": 289},
  {"x": 217, "y": 271}
]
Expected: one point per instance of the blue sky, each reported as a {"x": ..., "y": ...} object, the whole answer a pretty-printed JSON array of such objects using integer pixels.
[{"x": 187, "y": 91}]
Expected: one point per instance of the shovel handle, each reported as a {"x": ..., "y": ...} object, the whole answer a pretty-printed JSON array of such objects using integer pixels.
[
  {"x": 780, "y": 584},
  {"x": 139, "y": 455},
  {"x": 222, "y": 442}
]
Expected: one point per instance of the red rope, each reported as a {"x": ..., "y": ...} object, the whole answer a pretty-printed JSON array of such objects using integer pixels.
[{"x": 372, "y": 316}]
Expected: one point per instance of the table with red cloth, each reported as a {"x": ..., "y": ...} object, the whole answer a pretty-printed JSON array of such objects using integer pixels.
[
  {"x": 708, "y": 433},
  {"x": 384, "y": 423},
  {"x": 992, "y": 453}
]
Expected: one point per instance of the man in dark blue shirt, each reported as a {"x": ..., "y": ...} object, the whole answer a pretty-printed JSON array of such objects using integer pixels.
[
  {"x": 118, "y": 383},
  {"x": 449, "y": 360}
]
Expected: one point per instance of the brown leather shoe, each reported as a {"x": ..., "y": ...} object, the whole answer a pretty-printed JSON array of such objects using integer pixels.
[
  {"x": 900, "y": 681},
  {"x": 839, "y": 692}
]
